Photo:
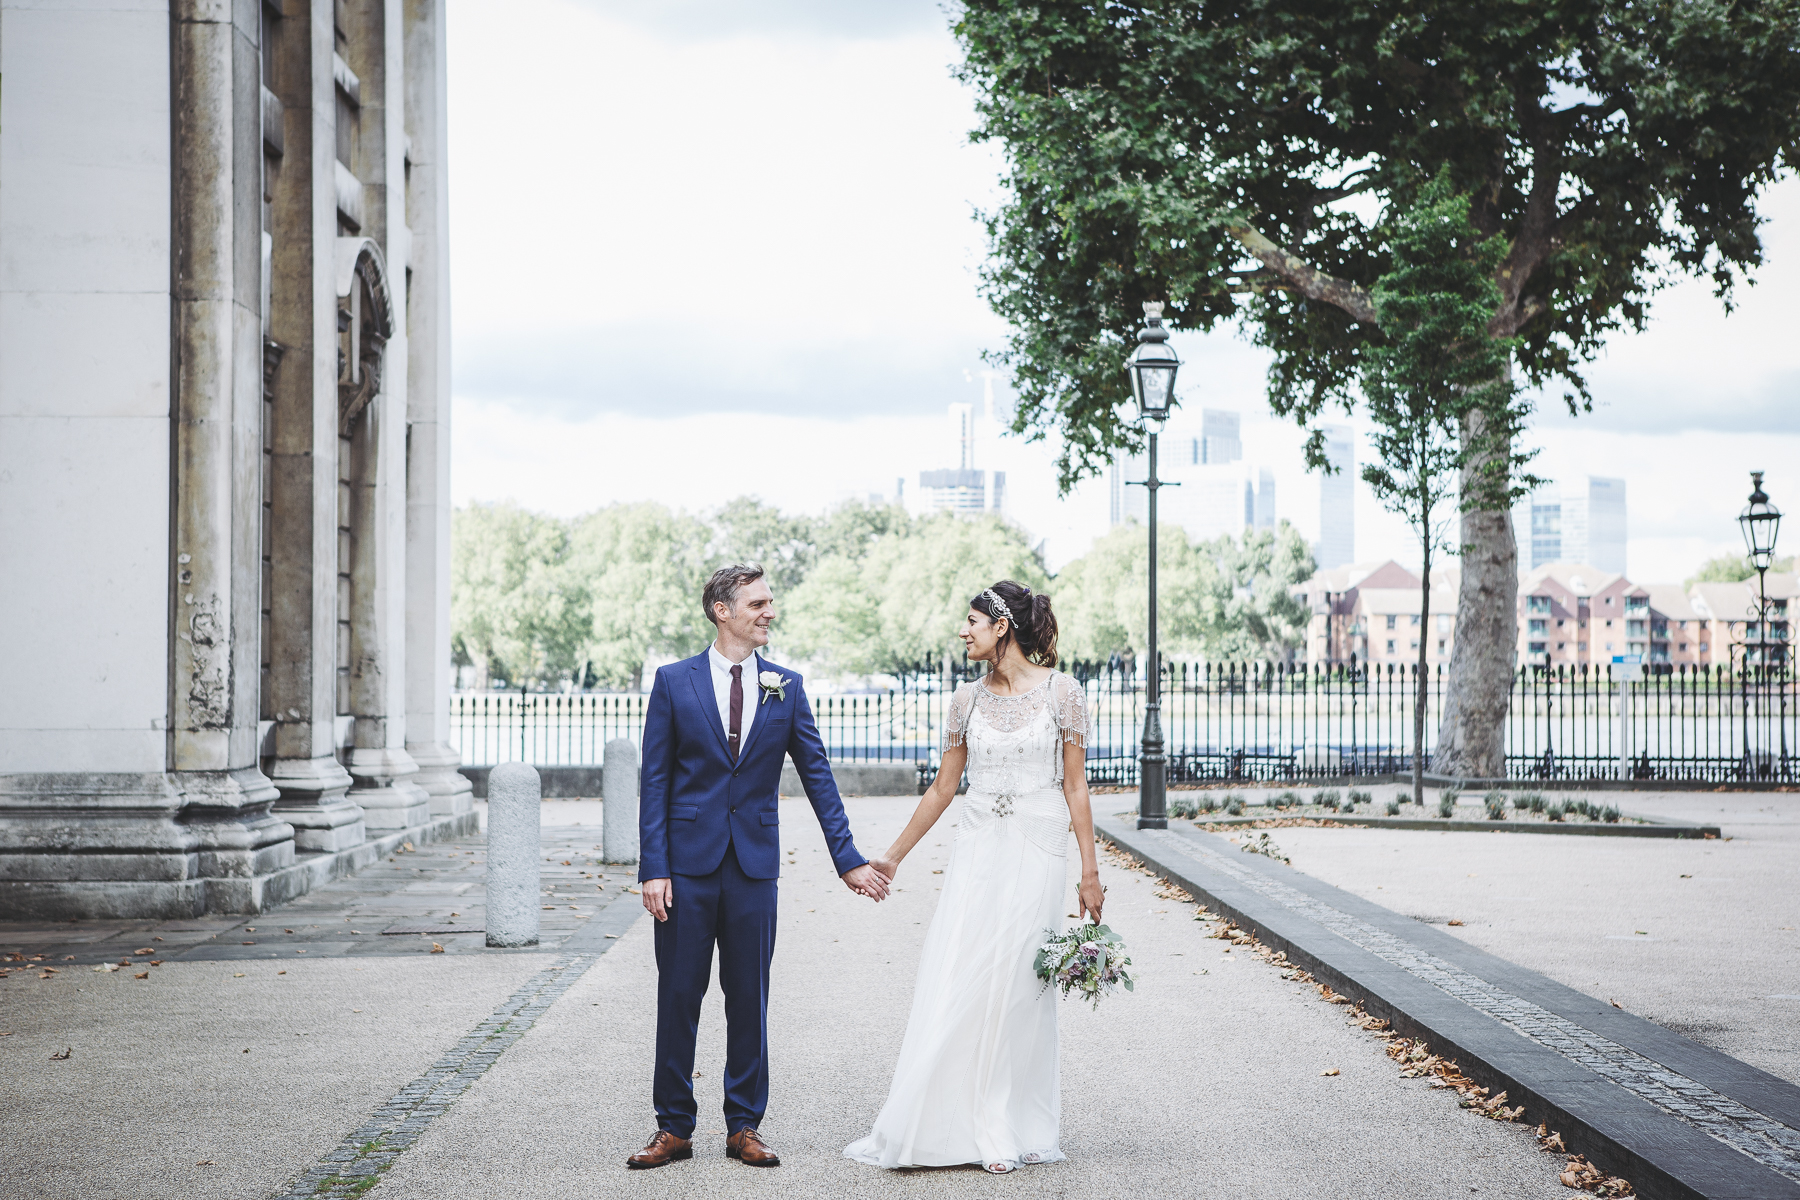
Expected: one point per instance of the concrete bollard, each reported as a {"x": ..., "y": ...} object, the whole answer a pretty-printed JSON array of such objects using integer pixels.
[
  {"x": 515, "y": 806},
  {"x": 619, "y": 801}
]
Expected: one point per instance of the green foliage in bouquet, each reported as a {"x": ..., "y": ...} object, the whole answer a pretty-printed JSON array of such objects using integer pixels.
[{"x": 1089, "y": 960}]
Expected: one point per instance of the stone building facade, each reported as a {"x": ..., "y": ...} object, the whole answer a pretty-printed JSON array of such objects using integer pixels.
[{"x": 224, "y": 449}]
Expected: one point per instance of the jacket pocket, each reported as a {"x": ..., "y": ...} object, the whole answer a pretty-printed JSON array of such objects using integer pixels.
[
  {"x": 771, "y": 818},
  {"x": 684, "y": 812}
]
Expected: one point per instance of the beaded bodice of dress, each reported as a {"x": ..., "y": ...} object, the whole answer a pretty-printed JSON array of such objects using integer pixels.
[{"x": 1016, "y": 743}]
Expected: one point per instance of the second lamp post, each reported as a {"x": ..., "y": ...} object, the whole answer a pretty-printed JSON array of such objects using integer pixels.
[{"x": 1152, "y": 367}]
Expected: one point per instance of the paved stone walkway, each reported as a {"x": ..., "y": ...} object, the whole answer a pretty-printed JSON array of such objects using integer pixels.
[
  {"x": 478, "y": 1073},
  {"x": 1769, "y": 1142}
]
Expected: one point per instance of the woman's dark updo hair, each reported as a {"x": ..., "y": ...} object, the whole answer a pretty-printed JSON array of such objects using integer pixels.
[{"x": 1033, "y": 625}]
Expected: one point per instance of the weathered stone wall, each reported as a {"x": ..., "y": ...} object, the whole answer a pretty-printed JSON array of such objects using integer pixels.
[{"x": 205, "y": 208}]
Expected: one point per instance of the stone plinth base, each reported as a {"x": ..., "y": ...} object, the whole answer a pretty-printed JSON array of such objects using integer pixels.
[{"x": 84, "y": 845}]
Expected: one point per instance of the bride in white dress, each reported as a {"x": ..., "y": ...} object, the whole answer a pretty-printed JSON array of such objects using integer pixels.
[{"x": 977, "y": 1080}]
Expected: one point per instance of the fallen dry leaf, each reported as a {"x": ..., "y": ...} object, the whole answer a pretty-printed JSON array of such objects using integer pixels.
[
  {"x": 66, "y": 1051},
  {"x": 1453, "y": 922},
  {"x": 206, "y": 1162},
  {"x": 1329, "y": 1071},
  {"x": 238, "y": 975},
  {"x": 142, "y": 975},
  {"x": 107, "y": 967},
  {"x": 281, "y": 972},
  {"x": 436, "y": 949},
  {"x": 1615, "y": 1004},
  {"x": 549, "y": 908},
  {"x": 406, "y": 845},
  {"x": 145, "y": 950}
]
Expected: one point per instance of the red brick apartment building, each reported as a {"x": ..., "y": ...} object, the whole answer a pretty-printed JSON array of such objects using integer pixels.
[{"x": 1569, "y": 614}]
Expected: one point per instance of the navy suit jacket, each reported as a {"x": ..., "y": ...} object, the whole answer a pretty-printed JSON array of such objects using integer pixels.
[{"x": 694, "y": 801}]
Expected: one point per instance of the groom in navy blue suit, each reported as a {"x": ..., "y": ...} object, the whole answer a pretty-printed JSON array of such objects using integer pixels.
[{"x": 717, "y": 729}]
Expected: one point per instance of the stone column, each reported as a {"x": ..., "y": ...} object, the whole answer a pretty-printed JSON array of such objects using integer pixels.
[
  {"x": 378, "y": 760},
  {"x": 302, "y": 701},
  {"x": 428, "y": 669},
  {"x": 215, "y": 609}
]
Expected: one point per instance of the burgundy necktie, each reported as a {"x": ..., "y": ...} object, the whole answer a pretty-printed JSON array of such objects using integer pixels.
[{"x": 737, "y": 708}]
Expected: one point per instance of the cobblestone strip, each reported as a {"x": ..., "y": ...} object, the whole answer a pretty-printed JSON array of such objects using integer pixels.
[
  {"x": 358, "y": 1162},
  {"x": 1764, "y": 1139}
]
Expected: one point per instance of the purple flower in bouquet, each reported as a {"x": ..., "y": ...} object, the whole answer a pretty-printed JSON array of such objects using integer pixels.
[{"x": 1089, "y": 959}]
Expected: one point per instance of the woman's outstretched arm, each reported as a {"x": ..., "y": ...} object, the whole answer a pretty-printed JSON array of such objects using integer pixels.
[
  {"x": 1081, "y": 820},
  {"x": 932, "y": 804}
]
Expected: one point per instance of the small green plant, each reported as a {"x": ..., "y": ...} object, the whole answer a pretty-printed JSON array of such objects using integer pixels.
[
  {"x": 1182, "y": 808},
  {"x": 1288, "y": 800},
  {"x": 1208, "y": 803},
  {"x": 1587, "y": 808},
  {"x": 1610, "y": 814},
  {"x": 1522, "y": 801},
  {"x": 1264, "y": 846},
  {"x": 1393, "y": 807},
  {"x": 1234, "y": 805},
  {"x": 1496, "y": 805},
  {"x": 1447, "y": 803},
  {"x": 1330, "y": 798},
  {"x": 1556, "y": 811},
  {"x": 1360, "y": 797},
  {"x": 1538, "y": 803}
]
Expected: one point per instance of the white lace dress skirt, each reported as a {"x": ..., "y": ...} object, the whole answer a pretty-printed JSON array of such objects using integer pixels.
[{"x": 977, "y": 1080}]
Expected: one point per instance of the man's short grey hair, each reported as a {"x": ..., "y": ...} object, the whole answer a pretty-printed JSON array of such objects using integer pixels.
[{"x": 725, "y": 584}]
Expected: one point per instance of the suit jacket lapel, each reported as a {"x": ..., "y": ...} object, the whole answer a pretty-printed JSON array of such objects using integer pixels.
[
  {"x": 761, "y": 720},
  {"x": 701, "y": 677}
]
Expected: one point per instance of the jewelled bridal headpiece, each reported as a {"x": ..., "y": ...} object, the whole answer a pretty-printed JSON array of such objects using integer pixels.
[{"x": 997, "y": 604}]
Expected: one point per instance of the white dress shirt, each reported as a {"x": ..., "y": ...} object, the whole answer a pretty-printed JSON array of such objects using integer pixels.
[{"x": 721, "y": 675}]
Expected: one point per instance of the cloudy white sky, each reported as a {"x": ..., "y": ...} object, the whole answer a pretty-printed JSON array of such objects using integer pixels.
[{"x": 703, "y": 248}]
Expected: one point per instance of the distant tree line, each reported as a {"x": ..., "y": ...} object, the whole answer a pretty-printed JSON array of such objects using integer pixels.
[{"x": 862, "y": 590}]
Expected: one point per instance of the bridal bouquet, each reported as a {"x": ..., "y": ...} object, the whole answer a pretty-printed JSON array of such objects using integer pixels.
[{"x": 1088, "y": 959}]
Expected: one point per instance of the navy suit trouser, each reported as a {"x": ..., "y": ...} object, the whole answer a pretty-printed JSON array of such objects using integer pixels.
[{"x": 737, "y": 912}]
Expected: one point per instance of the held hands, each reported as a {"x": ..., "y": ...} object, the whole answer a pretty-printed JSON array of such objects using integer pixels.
[
  {"x": 1092, "y": 896},
  {"x": 867, "y": 881}
]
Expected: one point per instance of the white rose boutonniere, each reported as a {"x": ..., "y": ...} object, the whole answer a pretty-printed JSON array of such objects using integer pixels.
[{"x": 772, "y": 684}]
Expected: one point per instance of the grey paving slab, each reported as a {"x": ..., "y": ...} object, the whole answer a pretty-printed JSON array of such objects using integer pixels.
[
  {"x": 1718, "y": 956},
  {"x": 158, "y": 1081},
  {"x": 1204, "y": 1082},
  {"x": 1675, "y": 1132}
]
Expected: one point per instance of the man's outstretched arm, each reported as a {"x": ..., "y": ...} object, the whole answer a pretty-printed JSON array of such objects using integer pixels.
[{"x": 808, "y": 752}]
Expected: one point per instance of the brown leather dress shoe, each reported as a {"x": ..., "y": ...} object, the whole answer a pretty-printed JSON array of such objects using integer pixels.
[
  {"x": 665, "y": 1147},
  {"x": 747, "y": 1146}
]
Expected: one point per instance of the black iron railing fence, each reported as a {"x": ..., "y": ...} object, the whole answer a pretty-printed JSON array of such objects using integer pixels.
[{"x": 1260, "y": 721}]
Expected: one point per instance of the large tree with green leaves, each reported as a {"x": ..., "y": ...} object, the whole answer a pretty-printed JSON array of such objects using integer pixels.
[
  {"x": 517, "y": 611},
  {"x": 1440, "y": 395},
  {"x": 1233, "y": 157},
  {"x": 642, "y": 567}
]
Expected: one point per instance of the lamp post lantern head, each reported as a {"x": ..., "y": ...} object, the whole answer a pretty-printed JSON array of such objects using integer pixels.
[
  {"x": 1760, "y": 521},
  {"x": 1152, "y": 367}
]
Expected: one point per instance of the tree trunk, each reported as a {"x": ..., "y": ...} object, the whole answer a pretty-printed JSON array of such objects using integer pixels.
[
  {"x": 1471, "y": 742},
  {"x": 1422, "y": 676}
]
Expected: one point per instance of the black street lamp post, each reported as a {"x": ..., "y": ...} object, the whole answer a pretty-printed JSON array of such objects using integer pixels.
[
  {"x": 1761, "y": 522},
  {"x": 1152, "y": 367}
]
